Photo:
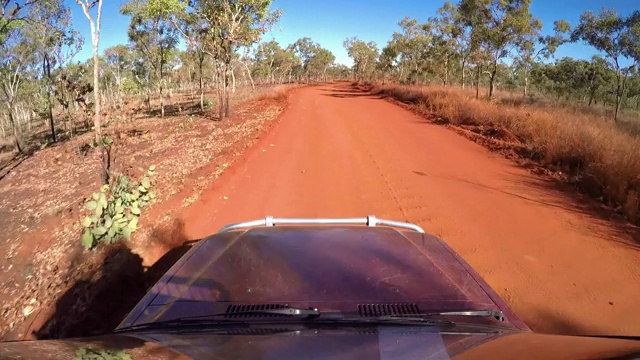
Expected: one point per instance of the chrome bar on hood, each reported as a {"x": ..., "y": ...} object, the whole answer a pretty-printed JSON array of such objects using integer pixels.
[{"x": 369, "y": 221}]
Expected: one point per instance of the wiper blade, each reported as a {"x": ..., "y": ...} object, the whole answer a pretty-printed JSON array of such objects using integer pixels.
[
  {"x": 182, "y": 322},
  {"x": 311, "y": 316},
  {"x": 285, "y": 312},
  {"x": 498, "y": 315},
  {"x": 226, "y": 319}
]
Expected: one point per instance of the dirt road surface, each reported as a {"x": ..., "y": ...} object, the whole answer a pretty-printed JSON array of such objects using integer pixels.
[{"x": 338, "y": 152}]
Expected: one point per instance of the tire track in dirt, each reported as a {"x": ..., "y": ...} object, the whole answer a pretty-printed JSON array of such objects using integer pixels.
[{"x": 339, "y": 152}]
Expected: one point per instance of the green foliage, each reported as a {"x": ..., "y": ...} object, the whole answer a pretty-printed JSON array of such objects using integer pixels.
[
  {"x": 207, "y": 103},
  {"x": 99, "y": 354},
  {"x": 105, "y": 141},
  {"x": 115, "y": 209},
  {"x": 364, "y": 56},
  {"x": 154, "y": 38},
  {"x": 129, "y": 86},
  {"x": 617, "y": 37},
  {"x": 315, "y": 59},
  {"x": 272, "y": 61}
]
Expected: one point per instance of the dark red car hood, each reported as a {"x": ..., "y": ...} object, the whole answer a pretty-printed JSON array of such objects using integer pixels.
[
  {"x": 383, "y": 343},
  {"x": 331, "y": 269}
]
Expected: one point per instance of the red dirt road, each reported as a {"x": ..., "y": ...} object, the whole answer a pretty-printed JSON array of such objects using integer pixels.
[{"x": 337, "y": 152}]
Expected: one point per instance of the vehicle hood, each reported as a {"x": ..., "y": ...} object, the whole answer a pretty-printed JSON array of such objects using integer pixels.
[
  {"x": 332, "y": 269},
  {"x": 382, "y": 343}
]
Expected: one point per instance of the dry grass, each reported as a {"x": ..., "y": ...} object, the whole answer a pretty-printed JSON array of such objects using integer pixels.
[
  {"x": 278, "y": 92},
  {"x": 595, "y": 153}
]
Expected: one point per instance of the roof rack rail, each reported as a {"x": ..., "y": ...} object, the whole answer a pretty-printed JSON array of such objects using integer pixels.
[{"x": 369, "y": 221}]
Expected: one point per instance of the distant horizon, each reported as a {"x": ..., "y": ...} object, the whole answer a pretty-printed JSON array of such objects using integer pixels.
[{"x": 368, "y": 20}]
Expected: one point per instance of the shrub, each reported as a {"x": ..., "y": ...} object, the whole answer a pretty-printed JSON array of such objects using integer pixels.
[{"x": 115, "y": 209}]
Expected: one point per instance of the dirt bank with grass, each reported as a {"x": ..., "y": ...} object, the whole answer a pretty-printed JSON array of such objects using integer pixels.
[
  {"x": 596, "y": 155},
  {"x": 48, "y": 283}
]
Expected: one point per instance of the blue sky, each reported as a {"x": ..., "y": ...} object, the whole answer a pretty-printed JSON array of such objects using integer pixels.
[{"x": 329, "y": 22}]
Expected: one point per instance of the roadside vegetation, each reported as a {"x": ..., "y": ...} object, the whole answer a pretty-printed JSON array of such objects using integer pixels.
[
  {"x": 48, "y": 98},
  {"x": 489, "y": 68},
  {"x": 109, "y": 149}
]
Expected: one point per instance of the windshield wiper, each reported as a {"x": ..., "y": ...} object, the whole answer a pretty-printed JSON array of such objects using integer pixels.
[
  {"x": 285, "y": 312},
  {"x": 498, "y": 315},
  {"x": 287, "y": 315},
  {"x": 226, "y": 319},
  {"x": 311, "y": 317}
]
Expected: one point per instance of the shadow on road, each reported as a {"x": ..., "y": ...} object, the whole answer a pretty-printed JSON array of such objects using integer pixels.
[
  {"x": 97, "y": 303},
  {"x": 605, "y": 222},
  {"x": 349, "y": 92},
  {"x": 550, "y": 322}
]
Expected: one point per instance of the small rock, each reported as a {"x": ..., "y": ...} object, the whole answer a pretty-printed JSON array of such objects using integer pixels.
[
  {"x": 28, "y": 310},
  {"x": 225, "y": 198}
]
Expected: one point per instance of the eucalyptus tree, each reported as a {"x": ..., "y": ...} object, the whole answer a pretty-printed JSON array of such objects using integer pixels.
[
  {"x": 546, "y": 48},
  {"x": 16, "y": 59},
  {"x": 119, "y": 63},
  {"x": 499, "y": 26},
  {"x": 305, "y": 49},
  {"x": 448, "y": 40},
  {"x": 55, "y": 44},
  {"x": 12, "y": 16},
  {"x": 617, "y": 37},
  {"x": 226, "y": 26},
  {"x": 154, "y": 35},
  {"x": 95, "y": 23},
  {"x": 364, "y": 56}
]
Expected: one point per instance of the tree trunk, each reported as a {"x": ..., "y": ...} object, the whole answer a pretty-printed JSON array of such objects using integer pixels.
[
  {"x": 47, "y": 67},
  {"x": 97, "y": 123},
  {"x": 622, "y": 79},
  {"x": 617, "y": 108},
  {"x": 226, "y": 90},
  {"x": 4, "y": 132},
  {"x": 478, "y": 71},
  {"x": 492, "y": 78},
  {"x": 233, "y": 81},
  {"x": 253, "y": 86},
  {"x": 618, "y": 97},
  {"x": 526, "y": 82},
  {"x": 220, "y": 91},
  {"x": 70, "y": 120},
  {"x": 14, "y": 127},
  {"x": 446, "y": 71},
  {"x": 161, "y": 99},
  {"x": 201, "y": 93},
  {"x": 148, "y": 98},
  {"x": 464, "y": 61}
]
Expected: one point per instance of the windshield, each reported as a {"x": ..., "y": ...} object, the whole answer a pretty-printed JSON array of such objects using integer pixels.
[{"x": 302, "y": 268}]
